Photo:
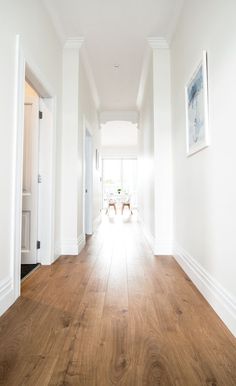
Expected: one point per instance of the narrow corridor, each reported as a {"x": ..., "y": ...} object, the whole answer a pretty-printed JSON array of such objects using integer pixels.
[{"x": 114, "y": 315}]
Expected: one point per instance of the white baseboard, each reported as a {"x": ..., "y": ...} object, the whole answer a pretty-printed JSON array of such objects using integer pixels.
[
  {"x": 6, "y": 294},
  {"x": 96, "y": 222},
  {"x": 220, "y": 300},
  {"x": 148, "y": 235},
  {"x": 81, "y": 242},
  {"x": 163, "y": 247},
  {"x": 73, "y": 246}
]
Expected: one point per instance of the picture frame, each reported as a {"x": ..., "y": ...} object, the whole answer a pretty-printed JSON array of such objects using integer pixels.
[
  {"x": 97, "y": 159},
  {"x": 196, "y": 105}
]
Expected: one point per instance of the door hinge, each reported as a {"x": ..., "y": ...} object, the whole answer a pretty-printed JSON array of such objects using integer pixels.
[
  {"x": 39, "y": 179},
  {"x": 40, "y": 115},
  {"x": 38, "y": 244}
]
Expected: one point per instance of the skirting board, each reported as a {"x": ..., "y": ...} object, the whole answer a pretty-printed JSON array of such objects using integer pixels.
[
  {"x": 220, "y": 300},
  {"x": 6, "y": 294},
  {"x": 158, "y": 247},
  {"x": 96, "y": 222},
  {"x": 163, "y": 247},
  {"x": 149, "y": 237},
  {"x": 73, "y": 247}
]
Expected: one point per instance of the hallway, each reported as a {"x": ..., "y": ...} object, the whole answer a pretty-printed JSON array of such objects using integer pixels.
[{"x": 114, "y": 315}]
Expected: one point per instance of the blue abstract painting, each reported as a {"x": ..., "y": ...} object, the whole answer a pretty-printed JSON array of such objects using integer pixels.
[{"x": 196, "y": 111}]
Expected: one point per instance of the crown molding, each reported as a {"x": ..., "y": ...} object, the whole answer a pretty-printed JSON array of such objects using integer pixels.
[
  {"x": 158, "y": 43},
  {"x": 74, "y": 43}
]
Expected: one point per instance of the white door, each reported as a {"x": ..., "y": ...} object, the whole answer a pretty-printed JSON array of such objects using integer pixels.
[
  {"x": 30, "y": 181},
  {"x": 45, "y": 187},
  {"x": 88, "y": 184}
]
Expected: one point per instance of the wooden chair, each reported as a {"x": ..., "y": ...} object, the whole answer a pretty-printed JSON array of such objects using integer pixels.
[
  {"x": 111, "y": 204},
  {"x": 126, "y": 202}
]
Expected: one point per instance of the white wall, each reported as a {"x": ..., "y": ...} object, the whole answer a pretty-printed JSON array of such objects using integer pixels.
[
  {"x": 79, "y": 114},
  {"x": 42, "y": 48},
  {"x": 146, "y": 155},
  {"x": 162, "y": 151},
  {"x": 114, "y": 152},
  {"x": 119, "y": 139},
  {"x": 89, "y": 111},
  {"x": 155, "y": 161},
  {"x": 205, "y": 184}
]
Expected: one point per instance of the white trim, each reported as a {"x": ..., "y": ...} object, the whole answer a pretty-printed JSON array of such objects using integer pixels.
[
  {"x": 18, "y": 166},
  {"x": 220, "y": 300},
  {"x": 81, "y": 242},
  {"x": 163, "y": 247},
  {"x": 69, "y": 247},
  {"x": 6, "y": 294},
  {"x": 158, "y": 247},
  {"x": 25, "y": 64},
  {"x": 73, "y": 246},
  {"x": 158, "y": 43},
  {"x": 148, "y": 235},
  {"x": 96, "y": 222},
  {"x": 47, "y": 190},
  {"x": 57, "y": 251},
  {"x": 87, "y": 127},
  {"x": 74, "y": 43}
]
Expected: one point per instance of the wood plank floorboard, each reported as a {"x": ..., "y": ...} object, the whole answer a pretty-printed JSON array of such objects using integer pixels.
[{"x": 114, "y": 315}]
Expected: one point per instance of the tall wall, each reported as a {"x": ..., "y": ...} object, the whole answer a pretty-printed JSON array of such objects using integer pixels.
[
  {"x": 30, "y": 20},
  {"x": 146, "y": 155},
  {"x": 204, "y": 184},
  {"x": 79, "y": 114},
  {"x": 155, "y": 159},
  {"x": 89, "y": 112}
]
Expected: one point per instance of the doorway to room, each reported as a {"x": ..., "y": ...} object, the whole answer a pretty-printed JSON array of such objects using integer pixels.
[
  {"x": 29, "y": 230},
  {"x": 119, "y": 183},
  {"x": 37, "y": 221}
]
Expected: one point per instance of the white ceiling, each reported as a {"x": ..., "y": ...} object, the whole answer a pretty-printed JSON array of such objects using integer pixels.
[
  {"x": 115, "y": 32},
  {"x": 119, "y": 134}
]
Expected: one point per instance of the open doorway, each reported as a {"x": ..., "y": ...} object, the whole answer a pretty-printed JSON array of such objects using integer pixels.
[
  {"x": 37, "y": 211},
  {"x": 88, "y": 210},
  {"x": 45, "y": 171},
  {"x": 29, "y": 230},
  {"x": 120, "y": 182}
]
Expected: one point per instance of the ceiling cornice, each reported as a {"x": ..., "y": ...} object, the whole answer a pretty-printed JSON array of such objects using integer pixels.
[
  {"x": 74, "y": 43},
  {"x": 158, "y": 43}
]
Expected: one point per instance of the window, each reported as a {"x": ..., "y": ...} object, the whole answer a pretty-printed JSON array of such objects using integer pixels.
[{"x": 120, "y": 174}]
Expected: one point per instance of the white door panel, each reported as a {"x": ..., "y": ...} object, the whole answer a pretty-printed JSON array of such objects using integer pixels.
[
  {"x": 30, "y": 181},
  {"x": 45, "y": 188},
  {"x": 88, "y": 184}
]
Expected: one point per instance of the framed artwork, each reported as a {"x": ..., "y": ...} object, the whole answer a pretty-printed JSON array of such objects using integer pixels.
[
  {"x": 97, "y": 159},
  {"x": 196, "y": 100}
]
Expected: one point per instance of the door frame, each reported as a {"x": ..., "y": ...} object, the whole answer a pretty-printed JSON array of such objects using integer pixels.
[
  {"x": 86, "y": 128},
  {"x": 26, "y": 68}
]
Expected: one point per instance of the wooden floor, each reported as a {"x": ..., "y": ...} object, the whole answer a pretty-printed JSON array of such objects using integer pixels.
[{"x": 114, "y": 315}]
